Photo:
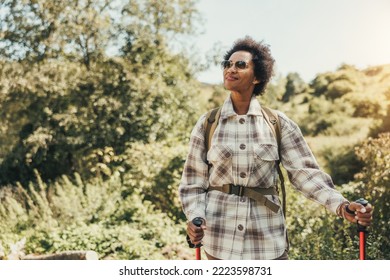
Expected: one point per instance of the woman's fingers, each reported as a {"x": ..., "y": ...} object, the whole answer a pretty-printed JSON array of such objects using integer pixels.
[
  {"x": 195, "y": 233},
  {"x": 363, "y": 214}
]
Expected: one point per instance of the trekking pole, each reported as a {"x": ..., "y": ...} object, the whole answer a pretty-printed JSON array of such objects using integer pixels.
[
  {"x": 362, "y": 230},
  {"x": 198, "y": 222}
]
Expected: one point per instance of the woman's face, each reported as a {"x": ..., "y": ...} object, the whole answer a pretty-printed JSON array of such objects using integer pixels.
[{"x": 238, "y": 76}]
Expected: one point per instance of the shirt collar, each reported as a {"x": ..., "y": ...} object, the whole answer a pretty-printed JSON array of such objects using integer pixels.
[{"x": 228, "y": 111}]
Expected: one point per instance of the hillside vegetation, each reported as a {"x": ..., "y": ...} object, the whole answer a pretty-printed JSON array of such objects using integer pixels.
[{"x": 93, "y": 145}]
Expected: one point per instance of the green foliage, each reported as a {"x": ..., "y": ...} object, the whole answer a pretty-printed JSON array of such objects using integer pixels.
[
  {"x": 68, "y": 107},
  {"x": 76, "y": 215},
  {"x": 363, "y": 94},
  {"x": 366, "y": 105},
  {"x": 326, "y": 236},
  {"x": 274, "y": 93},
  {"x": 154, "y": 170},
  {"x": 373, "y": 183},
  {"x": 217, "y": 98},
  {"x": 334, "y": 85},
  {"x": 316, "y": 235},
  {"x": 342, "y": 163},
  {"x": 294, "y": 85},
  {"x": 325, "y": 117},
  {"x": 93, "y": 144},
  {"x": 34, "y": 31},
  {"x": 382, "y": 126},
  {"x": 162, "y": 17}
]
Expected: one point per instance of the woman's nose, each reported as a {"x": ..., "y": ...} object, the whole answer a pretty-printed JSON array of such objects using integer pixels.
[{"x": 232, "y": 68}]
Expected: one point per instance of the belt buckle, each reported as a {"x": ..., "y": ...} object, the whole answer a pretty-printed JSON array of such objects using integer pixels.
[{"x": 237, "y": 190}]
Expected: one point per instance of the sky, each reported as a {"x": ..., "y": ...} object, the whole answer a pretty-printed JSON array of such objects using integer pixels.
[{"x": 305, "y": 36}]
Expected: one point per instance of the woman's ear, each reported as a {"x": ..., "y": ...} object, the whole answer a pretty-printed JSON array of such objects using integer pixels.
[{"x": 255, "y": 81}]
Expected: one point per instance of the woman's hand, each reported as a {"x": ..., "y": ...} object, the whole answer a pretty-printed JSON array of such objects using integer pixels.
[
  {"x": 355, "y": 212},
  {"x": 196, "y": 233}
]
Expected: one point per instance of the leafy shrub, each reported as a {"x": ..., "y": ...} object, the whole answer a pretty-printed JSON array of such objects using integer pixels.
[
  {"x": 154, "y": 170},
  {"x": 342, "y": 163},
  {"x": 324, "y": 235},
  {"x": 71, "y": 214}
]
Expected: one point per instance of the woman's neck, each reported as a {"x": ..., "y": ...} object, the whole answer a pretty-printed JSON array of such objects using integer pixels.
[{"x": 240, "y": 102}]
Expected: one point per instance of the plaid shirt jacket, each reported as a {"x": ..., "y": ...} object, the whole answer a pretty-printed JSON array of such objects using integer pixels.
[{"x": 243, "y": 152}]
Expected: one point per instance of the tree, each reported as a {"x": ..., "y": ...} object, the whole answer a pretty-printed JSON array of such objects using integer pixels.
[
  {"x": 294, "y": 85},
  {"x": 333, "y": 85},
  {"x": 72, "y": 102},
  {"x": 33, "y": 30}
]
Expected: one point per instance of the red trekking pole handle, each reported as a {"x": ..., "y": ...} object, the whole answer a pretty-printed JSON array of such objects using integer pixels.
[
  {"x": 362, "y": 230},
  {"x": 198, "y": 222}
]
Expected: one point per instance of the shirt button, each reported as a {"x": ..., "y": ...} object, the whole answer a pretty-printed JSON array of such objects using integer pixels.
[
  {"x": 242, "y": 121},
  {"x": 243, "y": 175},
  {"x": 242, "y": 146},
  {"x": 240, "y": 227}
]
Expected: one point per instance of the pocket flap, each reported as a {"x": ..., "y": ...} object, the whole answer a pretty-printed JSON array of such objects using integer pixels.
[
  {"x": 219, "y": 153},
  {"x": 267, "y": 152}
]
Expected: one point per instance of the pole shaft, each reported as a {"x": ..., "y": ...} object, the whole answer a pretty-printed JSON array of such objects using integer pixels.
[
  {"x": 197, "y": 254},
  {"x": 362, "y": 245}
]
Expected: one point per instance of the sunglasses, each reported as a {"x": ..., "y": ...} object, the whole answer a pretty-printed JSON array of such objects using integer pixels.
[{"x": 239, "y": 64}]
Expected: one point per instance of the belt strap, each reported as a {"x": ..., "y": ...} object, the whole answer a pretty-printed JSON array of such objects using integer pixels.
[{"x": 257, "y": 194}]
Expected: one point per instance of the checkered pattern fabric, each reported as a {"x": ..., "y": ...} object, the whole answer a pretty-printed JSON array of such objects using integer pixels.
[{"x": 243, "y": 152}]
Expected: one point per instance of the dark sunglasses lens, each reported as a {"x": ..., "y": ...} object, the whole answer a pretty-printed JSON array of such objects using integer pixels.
[
  {"x": 241, "y": 64},
  {"x": 225, "y": 64}
]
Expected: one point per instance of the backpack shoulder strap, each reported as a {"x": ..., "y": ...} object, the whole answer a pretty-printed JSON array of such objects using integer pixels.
[
  {"x": 272, "y": 118},
  {"x": 210, "y": 124}
]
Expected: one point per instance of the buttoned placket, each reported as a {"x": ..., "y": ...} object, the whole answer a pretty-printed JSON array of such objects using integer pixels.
[
  {"x": 241, "y": 147},
  {"x": 242, "y": 175}
]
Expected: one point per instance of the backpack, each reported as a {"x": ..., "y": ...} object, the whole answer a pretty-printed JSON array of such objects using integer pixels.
[{"x": 272, "y": 119}]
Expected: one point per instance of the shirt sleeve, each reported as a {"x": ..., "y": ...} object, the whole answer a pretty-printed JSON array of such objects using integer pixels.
[
  {"x": 303, "y": 170},
  {"x": 194, "y": 181}
]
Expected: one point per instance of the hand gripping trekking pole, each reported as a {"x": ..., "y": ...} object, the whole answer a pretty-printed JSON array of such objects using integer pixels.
[
  {"x": 362, "y": 230},
  {"x": 198, "y": 222}
]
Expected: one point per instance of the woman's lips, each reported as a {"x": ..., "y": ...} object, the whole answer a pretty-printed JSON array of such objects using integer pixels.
[{"x": 230, "y": 78}]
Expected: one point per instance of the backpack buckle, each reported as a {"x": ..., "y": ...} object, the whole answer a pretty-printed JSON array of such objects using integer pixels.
[{"x": 236, "y": 189}]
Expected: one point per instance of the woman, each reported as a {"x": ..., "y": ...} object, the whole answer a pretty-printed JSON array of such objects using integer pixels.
[{"x": 243, "y": 153}]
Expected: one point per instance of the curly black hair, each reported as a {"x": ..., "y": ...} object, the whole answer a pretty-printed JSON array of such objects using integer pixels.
[{"x": 261, "y": 57}]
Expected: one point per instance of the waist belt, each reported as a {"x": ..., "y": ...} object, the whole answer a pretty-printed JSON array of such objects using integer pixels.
[{"x": 257, "y": 194}]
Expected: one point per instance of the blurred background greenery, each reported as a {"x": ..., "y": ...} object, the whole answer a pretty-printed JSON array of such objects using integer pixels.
[{"x": 93, "y": 143}]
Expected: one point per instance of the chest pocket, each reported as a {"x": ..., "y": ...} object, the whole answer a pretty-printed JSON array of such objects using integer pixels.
[
  {"x": 220, "y": 157},
  {"x": 265, "y": 152},
  {"x": 219, "y": 153},
  {"x": 265, "y": 157},
  {"x": 264, "y": 169}
]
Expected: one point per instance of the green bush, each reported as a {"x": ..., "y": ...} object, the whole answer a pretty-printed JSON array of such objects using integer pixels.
[
  {"x": 342, "y": 163},
  {"x": 103, "y": 216},
  {"x": 316, "y": 234}
]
